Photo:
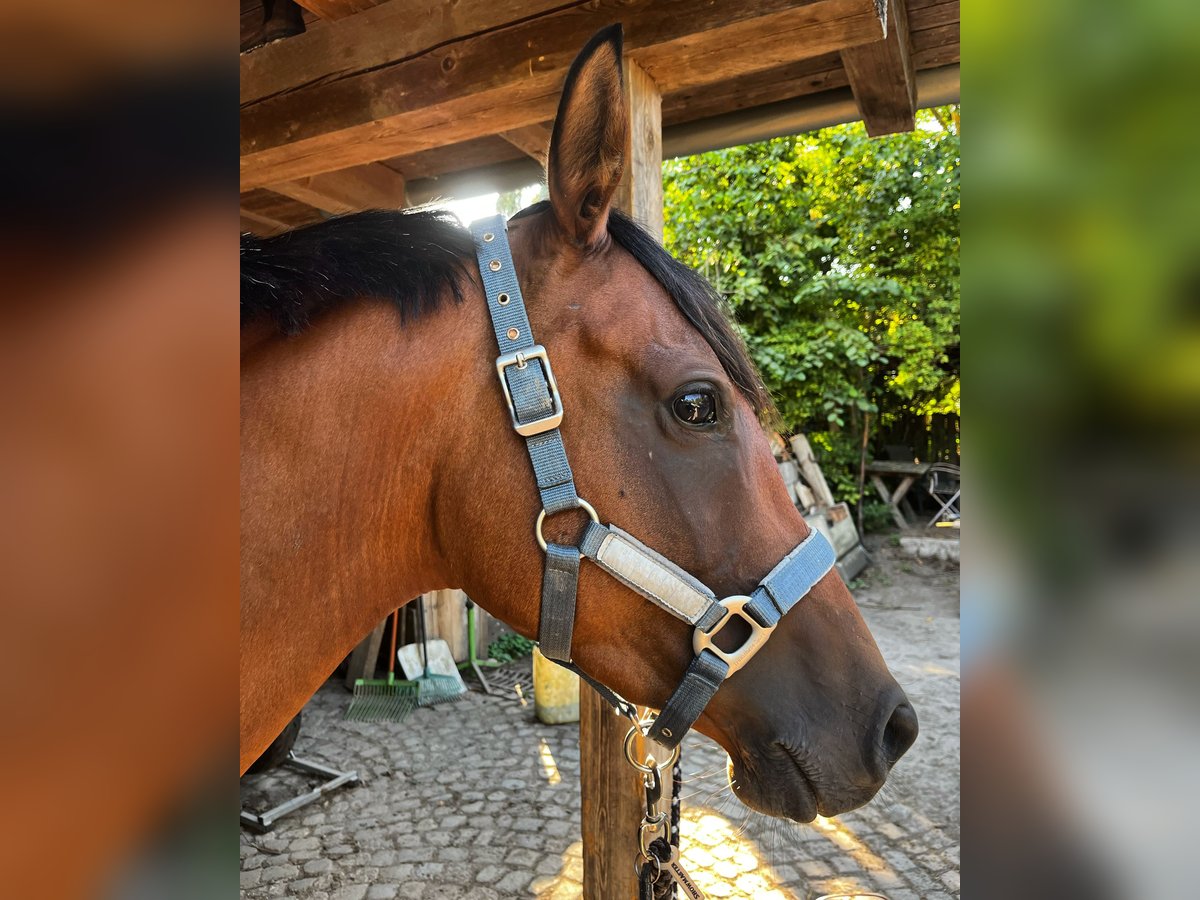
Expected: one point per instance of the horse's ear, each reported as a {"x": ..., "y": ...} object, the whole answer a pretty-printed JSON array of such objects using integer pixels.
[{"x": 587, "y": 148}]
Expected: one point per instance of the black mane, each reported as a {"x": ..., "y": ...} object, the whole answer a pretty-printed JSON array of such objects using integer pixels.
[
  {"x": 413, "y": 258},
  {"x": 409, "y": 258}
]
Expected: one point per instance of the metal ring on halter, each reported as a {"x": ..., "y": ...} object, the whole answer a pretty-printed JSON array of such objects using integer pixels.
[
  {"x": 653, "y": 764},
  {"x": 583, "y": 504}
]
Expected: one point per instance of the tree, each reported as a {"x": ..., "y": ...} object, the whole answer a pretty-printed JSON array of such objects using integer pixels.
[{"x": 838, "y": 254}]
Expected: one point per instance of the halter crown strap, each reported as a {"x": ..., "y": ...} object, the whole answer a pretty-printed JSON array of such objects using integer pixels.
[
  {"x": 535, "y": 406},
  {"x": 536, "y": 410}
]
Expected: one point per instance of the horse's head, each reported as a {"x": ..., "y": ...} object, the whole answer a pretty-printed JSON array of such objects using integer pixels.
[{"x": 662, "y": 424}]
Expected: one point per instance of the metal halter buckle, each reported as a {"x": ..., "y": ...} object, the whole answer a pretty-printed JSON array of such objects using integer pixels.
[
  {"x": 520, "y": 359},
  {"x": 703, "y": 640}
]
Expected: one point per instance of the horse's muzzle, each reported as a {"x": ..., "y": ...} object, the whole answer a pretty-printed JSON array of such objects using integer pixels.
[{"x": 798, "y": 780}]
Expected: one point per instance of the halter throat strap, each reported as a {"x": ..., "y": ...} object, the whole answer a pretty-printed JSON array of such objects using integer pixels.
[{"x": 536, "y": 409}]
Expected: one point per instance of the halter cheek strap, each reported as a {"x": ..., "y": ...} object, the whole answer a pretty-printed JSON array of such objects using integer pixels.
[{"x": 535, "y": 406}]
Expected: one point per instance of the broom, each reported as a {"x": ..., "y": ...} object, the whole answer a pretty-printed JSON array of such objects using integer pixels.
[{"x": 383, "y": 700}]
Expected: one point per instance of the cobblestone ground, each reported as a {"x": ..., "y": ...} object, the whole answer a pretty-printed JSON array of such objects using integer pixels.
[{"x": 477, "y": 799}]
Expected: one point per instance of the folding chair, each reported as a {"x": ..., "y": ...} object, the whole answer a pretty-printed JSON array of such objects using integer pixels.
[{"x": 942, "y": 484}]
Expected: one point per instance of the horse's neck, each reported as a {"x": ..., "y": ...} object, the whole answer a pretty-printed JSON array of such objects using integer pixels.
[{"x": 344, "y": 431}]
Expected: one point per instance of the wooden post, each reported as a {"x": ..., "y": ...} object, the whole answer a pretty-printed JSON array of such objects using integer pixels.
[
  {"x": 610, "y": 789},
  {"x": 446, "y": 618},
  {"x": 365, "y": 655}
]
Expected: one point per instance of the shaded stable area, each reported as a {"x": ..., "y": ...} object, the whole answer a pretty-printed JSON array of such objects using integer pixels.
[
  {"x": 478, "y": 799},
  {"x": 379, "y": 105}
]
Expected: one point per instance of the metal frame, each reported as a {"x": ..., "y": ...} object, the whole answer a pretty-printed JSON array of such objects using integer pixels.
[{"x": 264, "y": 821}]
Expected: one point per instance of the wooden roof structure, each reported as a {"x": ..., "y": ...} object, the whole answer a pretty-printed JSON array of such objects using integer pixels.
[{"x": 383, "y": 104}]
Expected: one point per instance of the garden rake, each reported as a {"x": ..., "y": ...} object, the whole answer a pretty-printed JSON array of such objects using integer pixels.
[{"x": 384, "y": 700}]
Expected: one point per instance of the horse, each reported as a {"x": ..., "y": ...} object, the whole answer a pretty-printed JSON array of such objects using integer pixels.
[{"x": 379, "y": 461}]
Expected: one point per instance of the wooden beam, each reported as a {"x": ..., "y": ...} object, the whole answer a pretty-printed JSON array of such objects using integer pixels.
[
  {"x": 807, "y": 76},
  {"x": 272, "y": 213},
  {"x": 337, "y": 9},
  {"x": 881, "y": 76},
  {"x": 533, "y": 140},
  {"x": 373, "y": 186},
  {"x": 923, "y": 17},
  {"x": 383, "y": 35},
  {"x": 498, "y": 81},
  {"x": 455, "y": 158},
  {"x": 253, "y": 223},
  {"x": 611, "y": 793}
]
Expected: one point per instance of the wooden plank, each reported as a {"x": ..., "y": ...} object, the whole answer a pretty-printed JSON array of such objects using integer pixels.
[
  {"x": 446, "y": 618},
  {"x": 454, "y": 158},
  {"x": 533, "y": 140},
  {"x": 806, "y": 76},
  {"x": 364, "y": 657},
  {"x": 500, "y": 81},
  {"x": 797, "y": 33},
  {"x": 811, "y": 471},
  {"x": 261, "y": 225},
  {"x": 612, "y": 798},
  {"x": 332, "y": 10},
  {"x": 276, "y": 212},
  {"x": 881, "y": 76},
  {"x": 373, "y": 186},
  {"x": 385, "y": 34},
  {"x": 936, "y": 37},
  {"x": 936, "y": 56},
  {"x": 921, "y": 18}
]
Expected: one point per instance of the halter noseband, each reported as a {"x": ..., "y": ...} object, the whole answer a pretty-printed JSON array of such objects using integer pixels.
[{"x": 536, "y": 407}]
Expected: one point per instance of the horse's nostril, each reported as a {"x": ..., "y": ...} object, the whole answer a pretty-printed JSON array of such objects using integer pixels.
[{"x": 899, "y": 733}]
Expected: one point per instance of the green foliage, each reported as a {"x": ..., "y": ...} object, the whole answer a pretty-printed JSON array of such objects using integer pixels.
[
  {"x": 510, "y": 646},
  {"x": 839, "y": 256},
  {"x": 877, "y": 515}
]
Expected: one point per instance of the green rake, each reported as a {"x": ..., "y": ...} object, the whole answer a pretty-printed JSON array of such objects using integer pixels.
[
  {"x": 384, "y": 700},
  {"x": 432, "y": 688}
]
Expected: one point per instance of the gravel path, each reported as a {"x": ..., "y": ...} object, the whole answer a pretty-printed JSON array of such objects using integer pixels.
[{"x": 477, "y": 799}]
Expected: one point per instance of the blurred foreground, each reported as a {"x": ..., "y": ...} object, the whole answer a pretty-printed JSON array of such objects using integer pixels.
[{"x": 1082, "y": 350}]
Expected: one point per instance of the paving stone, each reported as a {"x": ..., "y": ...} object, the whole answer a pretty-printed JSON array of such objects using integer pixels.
[
  {"x": 318, "y": 867},
  {"x": 250, "y": 877},
  {"x": 280, "y": 873},
  {"x": 514, "y": 881},
  {"x": 489, "y": 874}
]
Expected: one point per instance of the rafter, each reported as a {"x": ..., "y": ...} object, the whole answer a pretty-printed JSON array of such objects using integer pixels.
[
  {"x": 881, "y": 76},
  {"x": 373, "y": 186},
  {"x": 532, "y": 140}
]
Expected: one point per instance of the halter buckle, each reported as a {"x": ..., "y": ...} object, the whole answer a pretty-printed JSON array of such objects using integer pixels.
[
  {"x": 735, "y": 659},
  {"x": 521, "y": 359}
]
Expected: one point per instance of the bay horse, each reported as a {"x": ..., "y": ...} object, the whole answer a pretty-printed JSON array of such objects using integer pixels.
[{"x": 379, "y": 462}]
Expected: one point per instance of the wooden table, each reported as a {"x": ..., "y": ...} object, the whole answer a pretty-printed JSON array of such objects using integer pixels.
[{"x": 908, "y": 473}]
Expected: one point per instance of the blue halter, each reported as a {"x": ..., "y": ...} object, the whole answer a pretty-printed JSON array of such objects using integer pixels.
[{"x": 536, "y": 408}]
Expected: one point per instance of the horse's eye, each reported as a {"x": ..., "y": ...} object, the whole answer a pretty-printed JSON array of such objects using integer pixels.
[{"x": 696, "y": 408}]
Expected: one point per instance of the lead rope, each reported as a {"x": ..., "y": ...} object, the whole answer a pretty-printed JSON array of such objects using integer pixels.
[
  {"x": 664, "y": 889},
  {"x": 658, "y": 867}
]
